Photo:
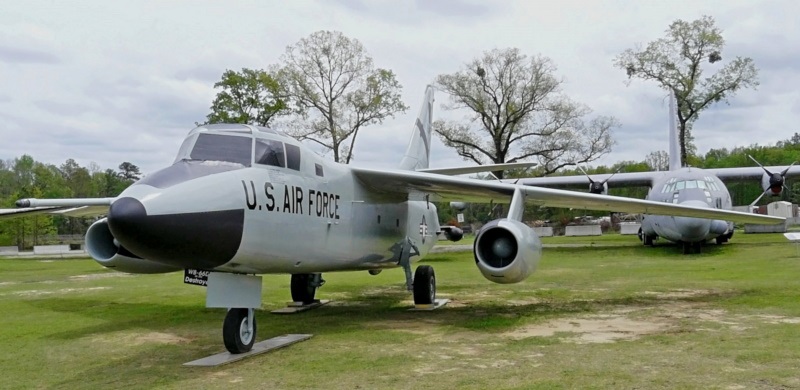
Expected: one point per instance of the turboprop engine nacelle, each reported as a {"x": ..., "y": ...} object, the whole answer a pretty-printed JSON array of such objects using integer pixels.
[
  {"x": 104, "y": 249},
  {"x": 773, "y": 183},
  {"x": 507, "y": 251}
]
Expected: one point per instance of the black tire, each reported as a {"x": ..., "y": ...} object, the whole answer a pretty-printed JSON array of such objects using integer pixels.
[
  {"x": 234, "y": 331},
  {"x": 302, "y": 290},
  {"x": 647, "y": 239},
  {"x": 696, "y": 247},
  {"x": 687, "y": 248},
  {"x": 721, "y": 239},
  {"x": 640, "y": 234},
  {"x": 424, "y": 285}
]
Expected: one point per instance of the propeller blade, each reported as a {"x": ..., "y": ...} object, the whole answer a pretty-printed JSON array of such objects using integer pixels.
[
  {"x": 785, "y": 171},
  {"x": 612, "y": 175},
  {"x": 759, "y": 198},
  {"x": 587, "y": 175},
  {"x": 759, "y": 164}
]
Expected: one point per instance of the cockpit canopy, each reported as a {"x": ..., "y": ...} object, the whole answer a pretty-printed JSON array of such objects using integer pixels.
[
  {"x": 677, "y": 185},
  {"x": 239, "y": 144}
]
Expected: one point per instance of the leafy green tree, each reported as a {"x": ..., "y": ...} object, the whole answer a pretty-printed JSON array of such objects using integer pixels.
[
  {"x": 677, "y": 61},
  {"x": 332, "y": 82},
  {"x": 251, "y": 96},
  {"x": 129, "y": 172},
  {"x": 517, "y": 111}
]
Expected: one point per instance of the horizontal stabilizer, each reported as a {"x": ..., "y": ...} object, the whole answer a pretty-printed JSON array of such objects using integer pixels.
[{"x": 477, "y": 168}]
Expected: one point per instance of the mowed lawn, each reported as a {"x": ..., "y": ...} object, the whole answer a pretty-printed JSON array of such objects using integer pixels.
[{"x": 621, "y": 316}]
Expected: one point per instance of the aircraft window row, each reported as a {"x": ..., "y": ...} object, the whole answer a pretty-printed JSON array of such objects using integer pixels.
[
  {"x": 687, "y": 184},
  {"x": 318, "y": 168},
  {"x": 271, "y": 152},
  {"x": 216, "y": 147}
]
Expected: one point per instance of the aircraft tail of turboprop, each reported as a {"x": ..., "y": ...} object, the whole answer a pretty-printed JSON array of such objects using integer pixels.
[
  {"x": 674, "y": 150},
  {"x": 418, "y": 152}
]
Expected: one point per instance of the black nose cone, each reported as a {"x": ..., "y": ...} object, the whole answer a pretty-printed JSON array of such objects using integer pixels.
[{"x": 188, "y": 240}]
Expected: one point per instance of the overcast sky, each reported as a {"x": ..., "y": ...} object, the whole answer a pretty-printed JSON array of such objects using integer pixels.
[{"x": 108, "y": 81}]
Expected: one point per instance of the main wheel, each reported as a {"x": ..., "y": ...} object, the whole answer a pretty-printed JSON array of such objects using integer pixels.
[
  {"x": 302, "y": 289},
  {"x": 236, "y": 331},
  {"x": 647, "y": 239},
  {"x": 424, "y": 285}
]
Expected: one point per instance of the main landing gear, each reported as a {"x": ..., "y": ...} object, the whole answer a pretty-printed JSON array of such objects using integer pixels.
[
  {"x": 423, "y": 284},
  {"x": 304, "y": 287},
  {"x": 691, "y": 247},
  {"x": 646, "y": 238}
]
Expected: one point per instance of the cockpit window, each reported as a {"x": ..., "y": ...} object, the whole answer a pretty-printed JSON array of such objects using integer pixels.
[
  {"x": 270, "y": 152},
  {"x": 215, "y": 147},
  {"x": 293, "y": 157},
  {"x": 673, "y": 185}
]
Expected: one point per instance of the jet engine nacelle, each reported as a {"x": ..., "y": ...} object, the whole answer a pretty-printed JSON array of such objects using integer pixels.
[
  {"x": 104, "y": 249},
  {"x": 507, "y": 251}
]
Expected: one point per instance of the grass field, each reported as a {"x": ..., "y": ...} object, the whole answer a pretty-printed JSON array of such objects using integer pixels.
[{"x": 600, "y": 317}]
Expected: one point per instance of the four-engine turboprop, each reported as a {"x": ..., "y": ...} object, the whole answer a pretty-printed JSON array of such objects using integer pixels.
[
  {"x": 241, "y": 200},
  {"x": 702, "y": 188}
]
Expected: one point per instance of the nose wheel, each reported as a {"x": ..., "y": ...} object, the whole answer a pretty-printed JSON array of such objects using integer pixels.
[{"x": 239, "y": 330}]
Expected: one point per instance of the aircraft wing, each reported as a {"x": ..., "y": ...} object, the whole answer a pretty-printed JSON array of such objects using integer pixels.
[
  {"x": 79, "y": 207},
  {"x": 750, "y": 173},
  {"x": 629, "y": 179},
  {"x": 477, "y": 168},
  {"x": 471, "y": 190}
]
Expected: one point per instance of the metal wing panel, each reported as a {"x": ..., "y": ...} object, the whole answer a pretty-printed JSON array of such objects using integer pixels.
[
  {"x": 471, "y": 190},
  {"x": 477, "y": 168},
  {"x": 630, "y": 179},
  {"x": 77, "y": 207},
  {"x": 749, "y": 173}
]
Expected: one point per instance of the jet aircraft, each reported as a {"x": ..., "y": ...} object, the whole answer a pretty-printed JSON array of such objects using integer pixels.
[
  {"x": 242, "y": 200},
  {"x": 703, "y": 188}
]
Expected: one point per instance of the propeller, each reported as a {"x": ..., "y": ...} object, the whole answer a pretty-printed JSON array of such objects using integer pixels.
[
  {"x": 777, "y": 180},
  {"x": 597, "y": 187}
]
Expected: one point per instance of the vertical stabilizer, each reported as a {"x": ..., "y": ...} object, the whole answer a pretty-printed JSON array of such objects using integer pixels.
[
  {"x": 419, "y": 146},
  {"x": 674, "y": 150}
]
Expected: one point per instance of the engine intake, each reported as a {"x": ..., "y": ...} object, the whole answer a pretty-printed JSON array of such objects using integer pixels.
[
  {"x": 507, "y": 251},
  {"x": 104, "y": 249}
]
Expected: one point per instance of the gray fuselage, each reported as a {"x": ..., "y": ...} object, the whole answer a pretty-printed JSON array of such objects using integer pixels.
[
  {"x": 286, "y": 210},
  {"x": 691, "y": 187}
]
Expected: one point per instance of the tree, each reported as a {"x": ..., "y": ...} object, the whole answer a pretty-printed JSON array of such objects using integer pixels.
[
  {"x": 676, "y": 63},
  {"x": 658, "y": 160},
  {"x": 332, "y": 82},
  {"x": 129, "y": 172},
  {"x": 250, "y": 96},
  {"x": 517, "y": 102}
]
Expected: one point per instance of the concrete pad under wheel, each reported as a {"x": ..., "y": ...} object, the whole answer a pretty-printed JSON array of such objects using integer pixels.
[
  {"x": 258, "y": 348},
  {"x": 297, "y": 307},
  {"x": 437, "y": 303}
]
